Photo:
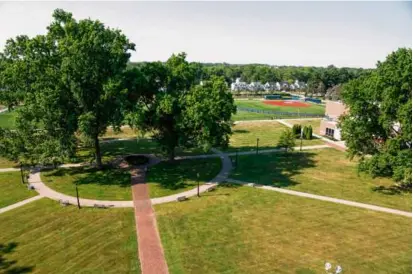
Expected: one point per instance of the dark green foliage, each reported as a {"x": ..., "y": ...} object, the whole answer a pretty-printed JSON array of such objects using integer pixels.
[
  {"x": 328, "y": 76},
  {"x": 379, "y": 122},
  {"x": 309, "y": 133},
  {"x": 296, "y": 130},
  {"x": 177, "y": 110},
  {"x": 70, "y": 80}
]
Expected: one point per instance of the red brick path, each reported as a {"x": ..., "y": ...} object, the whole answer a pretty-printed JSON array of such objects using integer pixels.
[{"x": 150, "y": 247}]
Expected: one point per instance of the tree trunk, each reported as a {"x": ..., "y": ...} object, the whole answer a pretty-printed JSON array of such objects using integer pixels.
[
  {"x": 171, "y": 154},
  {"x": 97, "y": 153}
]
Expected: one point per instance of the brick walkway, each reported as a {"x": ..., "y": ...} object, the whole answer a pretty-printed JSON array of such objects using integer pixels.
[{"x": 150, "y": 248}]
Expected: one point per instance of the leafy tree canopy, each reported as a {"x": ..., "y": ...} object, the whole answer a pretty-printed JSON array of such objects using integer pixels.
[
  {"x": 70, "y": 79},
  {"x": 378, "y": 127},
  {"x": 178, "y": 111}
]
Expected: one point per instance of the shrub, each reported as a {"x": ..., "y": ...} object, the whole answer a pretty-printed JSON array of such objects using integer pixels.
[
  {"x": 305, "y": 129},
  {"x": 287, "y": 140},
  {"x": 296, "y": 130},
  {"x": 310, "y": 133}
]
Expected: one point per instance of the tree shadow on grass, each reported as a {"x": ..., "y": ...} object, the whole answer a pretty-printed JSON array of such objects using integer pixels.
[
  {"x": 391, "y": 190},
  {"x": 8, "y": 266},
  {"x": 85, "y": 176},
  {"x": 275, "y": 169},
  {"x": 183, "y": 173},
  {"x": 240, "y": 131}
]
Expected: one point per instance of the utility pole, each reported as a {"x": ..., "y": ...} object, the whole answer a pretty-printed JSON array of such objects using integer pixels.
[{"x": 77, "y": 196}]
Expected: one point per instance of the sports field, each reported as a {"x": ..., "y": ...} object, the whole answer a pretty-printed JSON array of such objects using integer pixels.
[{"x": 281, "y": 106}]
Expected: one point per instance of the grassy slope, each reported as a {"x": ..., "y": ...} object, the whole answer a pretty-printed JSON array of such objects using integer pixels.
[
  {"x": 246, "y": 230},
  {"x": 245, "y": 136},
  {"x": 12, "y": 190},
  {"x": 55, "y": 239},
  {"x": 168, "y": 178},
  {"x": 258, "y": 104},
  {"x": 324, "y": 172},
  {"x": 92, "y": 184}
]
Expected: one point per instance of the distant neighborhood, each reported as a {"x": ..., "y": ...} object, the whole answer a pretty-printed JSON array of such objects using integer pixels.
[{"x": 258, "y": 86}]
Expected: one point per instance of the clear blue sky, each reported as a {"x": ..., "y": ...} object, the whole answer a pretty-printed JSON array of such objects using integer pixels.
[{"x": 353, "y": 34}]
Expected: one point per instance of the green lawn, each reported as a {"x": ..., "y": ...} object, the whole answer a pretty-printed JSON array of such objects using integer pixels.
[
  {"x": 168, "y": 178},
  {"x": 107, "y": 184},
  {"x": 8, "y": 119},
  {"x": 12, "y": 190},
  {"x": 132, "y": 146},
  {"x": 164, "y": 179},
  {"x": 45, "y": 237},
  {"x": 245, "y": 115},
  {"x": 315, "y": 124},
  {"x": 325, "y": 172},
  {"x": 247, "y": 230},
  {"x": 245, "y": 136},
  {"x": 259, "y": 104}
]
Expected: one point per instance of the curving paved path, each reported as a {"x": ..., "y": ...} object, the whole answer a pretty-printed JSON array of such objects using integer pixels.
[
  {"x": 45, "y": 191},
  {"x": 325, "y": 198}
]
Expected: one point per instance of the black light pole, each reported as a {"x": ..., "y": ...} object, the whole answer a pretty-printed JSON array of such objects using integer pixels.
[
  {"x": 258, "y": 139},
  {"x": 21, "y": 173},
  {"x": 77, "y": 196},
  {"x": 236, "y": 159},
  {"x": 197, "y": 178}
]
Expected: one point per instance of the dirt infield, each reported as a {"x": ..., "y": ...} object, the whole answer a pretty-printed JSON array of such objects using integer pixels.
[{"x": 286, "y": 103}]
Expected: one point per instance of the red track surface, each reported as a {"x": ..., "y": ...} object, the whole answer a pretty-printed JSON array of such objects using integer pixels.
[{"x": 286, "y": 103}]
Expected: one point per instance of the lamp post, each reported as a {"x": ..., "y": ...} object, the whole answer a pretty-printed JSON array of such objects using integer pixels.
[
  {"x": 301, "y": 137},
  {"x": 77, "y": 196},
  {"x": 21, "y": 173},
  {"x": 197, "y": 178},
  {"x": 258, "y": 139}
]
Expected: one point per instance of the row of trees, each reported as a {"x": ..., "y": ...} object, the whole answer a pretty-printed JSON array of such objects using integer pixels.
[
  {"x": 74, "y": 81},
  {"x": 319, "y": 79}
]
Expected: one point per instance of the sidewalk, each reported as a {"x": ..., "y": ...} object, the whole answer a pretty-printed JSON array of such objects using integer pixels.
[{"x": 325, "y": 198}]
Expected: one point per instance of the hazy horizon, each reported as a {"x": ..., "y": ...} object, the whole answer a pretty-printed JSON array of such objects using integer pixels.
[{"x": 343, "y": 34}]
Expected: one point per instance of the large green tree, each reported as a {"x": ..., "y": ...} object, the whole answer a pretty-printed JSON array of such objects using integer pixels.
[
  {"x": 75, "y": 79},
  {"x": 179, "y": 111},
  {"x": 378, "y": 126}
]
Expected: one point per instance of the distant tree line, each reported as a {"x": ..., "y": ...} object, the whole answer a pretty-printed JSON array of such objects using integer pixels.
[{"x": 319, "y": 79}]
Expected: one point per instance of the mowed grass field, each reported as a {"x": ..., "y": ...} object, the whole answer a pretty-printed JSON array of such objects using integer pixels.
[
  {"x": 107, "y": 184},
  {"x": 12, "y": 190},
  {"x": 245, "y": 136},
  {"x": 259, "y": 104},
  {"x": 44, "y": 237},
  {"x": 247, "y": 230},
  {"x": 325, "y": 172},
  {"x": 167, "y": 178},
  {"x": 245, "y": 115}
]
